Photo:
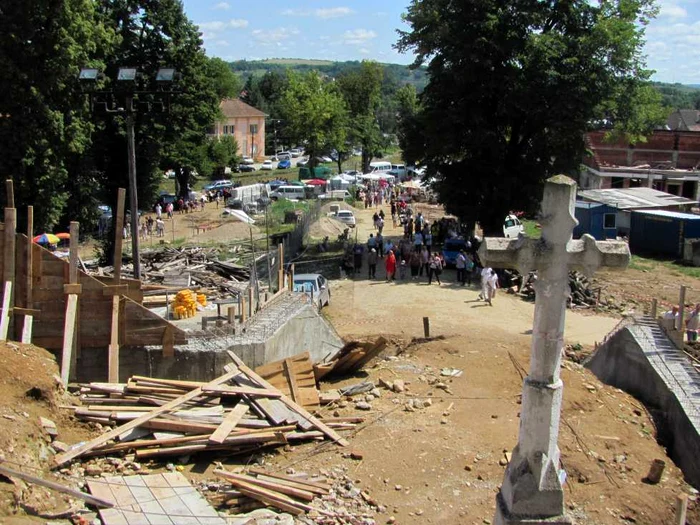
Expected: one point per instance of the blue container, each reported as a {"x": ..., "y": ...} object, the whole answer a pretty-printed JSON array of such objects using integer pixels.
[
  {"x": 662, "y": 232},
  {"x": 596, "y": 219}
]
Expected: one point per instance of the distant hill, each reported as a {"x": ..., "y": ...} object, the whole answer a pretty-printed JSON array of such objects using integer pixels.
[
  {"x": 397, "y": 73},
  {"x": 679, "y": 96}
]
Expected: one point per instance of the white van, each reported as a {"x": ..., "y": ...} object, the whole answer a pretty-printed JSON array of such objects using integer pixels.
[
  {"x": 512, "y": 227},
  {"x": 380, "y": 166},
  {"x": 288, "y": 192},
  {"x": 398, "y": 171}
]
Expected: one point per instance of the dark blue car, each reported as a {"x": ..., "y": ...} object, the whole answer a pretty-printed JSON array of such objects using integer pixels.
[
  {"x": 451, "y": 249},
  {"x": 284, "y": 164}
]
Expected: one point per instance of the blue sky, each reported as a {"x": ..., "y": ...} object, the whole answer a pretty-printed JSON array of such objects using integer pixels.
[{"x": 360, "y": 29}]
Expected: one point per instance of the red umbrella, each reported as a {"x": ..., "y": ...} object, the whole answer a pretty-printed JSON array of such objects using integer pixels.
[{"x": 315, "y": 182}]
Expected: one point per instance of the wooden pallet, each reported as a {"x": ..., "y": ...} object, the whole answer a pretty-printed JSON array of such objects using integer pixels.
[{"x": 294, "y": 377}]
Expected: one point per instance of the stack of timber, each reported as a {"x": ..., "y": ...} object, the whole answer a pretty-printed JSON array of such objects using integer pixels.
[
  {"x": 236, "y": 413},
  {"x": 352, "y": 357},
  {"x": 260, "y": 488},
  {"x": 582, "y": 294}
]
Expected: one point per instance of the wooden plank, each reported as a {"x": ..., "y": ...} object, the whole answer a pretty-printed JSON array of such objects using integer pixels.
[
  {"x": 62, "y": 459},
  {"x": 296, "y": 484},
  {"x": 230, "y": 421},
  {"x": 332, "y": 434},
  {"x": 6, "y": 471},
  {"x": 118, "y": 235},
  {"x": 267, "y": 484},
  {"x": 68, "y": 338},
  {"x": 289, "y": 373},
  {"x": 113, "y": 349},
  {"x": 29, "y": 256},
  {"x": 5, "y": 312},
  {"x": 73, "y": 288},
  {"x": 168, "y": 341},
  {"x": 9, "y": 261},
  {"x": 241, "y": 390},
  {"x": 27, "y": 329},
  {"x": 120, "y": 289},
  {"x": 324, "y": 488},
  {"x": 268, "y": 497},
  {"x": 10, "y": 193}
]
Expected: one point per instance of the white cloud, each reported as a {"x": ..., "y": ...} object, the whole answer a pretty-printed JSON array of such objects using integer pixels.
[
  {"x": 358, "y": 36},
  {"x": 222, "y": 43},
  {"x": 323, "y": 12},
  {"x": 222, "y": 6},
  {"x": 333, "y": 12},
  {"x": 220, "y": 25},
  {"x": 274, "y": 36},
  {"x": 672, "y": 11},
  {"x": 364, "y": 50}
]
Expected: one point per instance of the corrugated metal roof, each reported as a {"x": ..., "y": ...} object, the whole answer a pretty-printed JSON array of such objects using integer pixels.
[
  {"x": 671, "y": 214},
  {"x": 634, "y": 198}
]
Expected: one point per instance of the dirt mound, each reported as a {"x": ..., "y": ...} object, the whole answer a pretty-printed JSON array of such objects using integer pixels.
[{"x": 30, "y": 389}]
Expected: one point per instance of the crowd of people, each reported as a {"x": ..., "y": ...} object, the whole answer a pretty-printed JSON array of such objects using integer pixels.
[
  {"x": 692, "y": 321},
  {"x": 414, "y": 256}
]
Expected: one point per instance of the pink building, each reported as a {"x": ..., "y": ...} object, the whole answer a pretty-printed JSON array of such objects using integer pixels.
[{"x": 246, "y": 124}]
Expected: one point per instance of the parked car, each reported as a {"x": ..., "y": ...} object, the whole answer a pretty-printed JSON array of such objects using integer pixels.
[
  {"x": 247, "y": 160},
  {"x": 246, "y": 168},
  {"x": 512, "y": 227},
  {"x": 324, "y": 159},
  {"x": 288, "y": 192},
  {"x": 315, "y": 286},
  {"x": 451, "y": 249},
  {"x": 283, "y": 155},
  {"x": 266, "y": 165},
  {"x": 295, "y": 153},
  {"x": 218, "y": 185},
  {"x": 302, "y": 162},
  {"x": 346, "y": 217},
  {"x": 284, "y": 164},
  {"x": 336, "y": 195}
]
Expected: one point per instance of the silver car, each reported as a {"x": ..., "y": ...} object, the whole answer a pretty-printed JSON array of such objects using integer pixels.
[{"x": 315, "y": 286}]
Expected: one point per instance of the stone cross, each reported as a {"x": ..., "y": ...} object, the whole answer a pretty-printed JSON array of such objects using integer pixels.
[{"x": 532, "y": 488}]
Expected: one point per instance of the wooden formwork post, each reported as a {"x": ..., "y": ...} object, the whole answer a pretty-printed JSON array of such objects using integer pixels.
[
  {"x": 243, "y": 309},
  {"x": 113, "y": 357},
  {"x": 73, "y": 290},
  {"x": 10, "y": 191},
  {"x": 681, "y": 509},
  {"x": 280, "y": 268},
  {"x": 251, "y": 300},
  {"x": 291, "y": 278},
  {"x": 231, "y": 314},
  {"x": 426, "y": 327},
  {"x": 681, "y": 309},
  {"x": 28, "y": 296},
  {"x": 654, "y": 309},
  {"x": 8, "y": 277}
]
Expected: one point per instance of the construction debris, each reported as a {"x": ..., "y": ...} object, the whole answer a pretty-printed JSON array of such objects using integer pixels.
[
  {"x": 329, "y": 499},
  {"x": 294, "y": 377},
  {"x": 583, "y": 295},
  {"x": 236, "y": 413},
  {"x": 352, "y": 357}
]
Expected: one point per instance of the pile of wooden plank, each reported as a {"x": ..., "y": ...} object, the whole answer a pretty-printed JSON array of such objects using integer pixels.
[
  {"x": 583, "y": 295},
  {"x": 235, "y": 413},
  {"x": 352, "y": 357},
  {"x": 294, "y": 377},
  {"x": 261, "y": 488}
]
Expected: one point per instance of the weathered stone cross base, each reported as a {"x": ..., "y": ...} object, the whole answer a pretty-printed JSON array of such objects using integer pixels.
[{"x": 532, "y": 492}]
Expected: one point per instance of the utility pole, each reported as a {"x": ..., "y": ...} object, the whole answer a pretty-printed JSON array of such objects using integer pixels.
[{"x": 133, "y": 193}]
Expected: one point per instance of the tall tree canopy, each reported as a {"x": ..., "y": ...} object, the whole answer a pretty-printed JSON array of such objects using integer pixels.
[
  {"x": 361, "y": 89},
  {"x": 44, "y": 125},
  {"x": 314, "y": 114},
  {"x": 513, "y": 87}
]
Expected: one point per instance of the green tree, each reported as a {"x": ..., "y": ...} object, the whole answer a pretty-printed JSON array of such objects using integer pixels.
[
  {"x": 513, "y": 87},
  {"x": 361, "y": 89},
  {"x": 44, "y": 125},
  {"x": 314, "y": 113},
  {"x": 225, "y": 82},
  {"x": 152, "y": 35},
  {"x": 222, "y": 152},
  {"x": 408, "y": 131}
]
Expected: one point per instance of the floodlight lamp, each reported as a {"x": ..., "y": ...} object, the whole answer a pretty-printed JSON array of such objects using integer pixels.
[
  {"x": 127, "y": 74},
  {"x": 88, "y": 73},
  {"x": 165, "y": 74}
]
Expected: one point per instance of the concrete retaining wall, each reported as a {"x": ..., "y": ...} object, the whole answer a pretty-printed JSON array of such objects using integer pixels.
[{"x": 642, "y": 361}]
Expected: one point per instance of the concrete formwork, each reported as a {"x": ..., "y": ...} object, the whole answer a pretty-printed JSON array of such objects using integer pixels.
[
  {"x": 641, "y": 360},
  {"x": 286, "y": 327}
]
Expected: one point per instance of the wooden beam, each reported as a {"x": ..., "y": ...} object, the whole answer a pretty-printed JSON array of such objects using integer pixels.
[
  {"x": 64, "y": 458},
  {"x": 293, "y": 388},
  {"x": 5, "y": 312},
  {"x": 30, "y": 252},
  {"x": 10, "y": 193},
  {"x": 69, "y": 353},
  {"x": 92, "y": 500},
  {"x": 229, "y": 423},
  {"x": 332, "y": 434},
  {"x": 113, "y": 350},
  {"x": 73, "y": 255},
  {"x": 168, "y": 342},
  {"x": 118, "y": 289},
  {"x": 72, "y": 288},
  {"x": 27, "y": 329},
  {"x": 119, "y": 236},
  {"x": 9, "y": 257}
]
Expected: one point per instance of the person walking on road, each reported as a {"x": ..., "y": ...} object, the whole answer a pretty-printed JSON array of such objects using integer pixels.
[
  {"x": 492, "y": 284},
  {"x": 372, "y": 263},
  {"x": 434, "y": 268},
  {"x": 390, "y": 266},
  {"x": 461, "y": 265},
  {"x": 485, "y": 273}
]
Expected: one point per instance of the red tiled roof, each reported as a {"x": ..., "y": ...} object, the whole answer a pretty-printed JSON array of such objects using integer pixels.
[{"x": 234, "y": 108}]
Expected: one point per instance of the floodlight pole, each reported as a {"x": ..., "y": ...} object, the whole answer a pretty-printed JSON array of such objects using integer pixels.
[{"x": 133, "y": 194}]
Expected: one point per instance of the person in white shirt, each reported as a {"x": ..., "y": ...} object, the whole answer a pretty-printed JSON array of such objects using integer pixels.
[
  {"x": 692, "y": 324},
  {"x": 492, "y": 285},
  {"x": 485, "y": 273}
]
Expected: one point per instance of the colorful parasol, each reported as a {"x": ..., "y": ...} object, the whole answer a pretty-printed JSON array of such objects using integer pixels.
[
  {"x": 46, "y": 238},
  {"x": 315, "y": 182},
  {"x": 63, "y": 236}
]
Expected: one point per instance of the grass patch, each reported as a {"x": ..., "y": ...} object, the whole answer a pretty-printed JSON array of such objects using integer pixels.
[
  {"x": 531, "y": 229},
  {"x": 675, "y": 268}
]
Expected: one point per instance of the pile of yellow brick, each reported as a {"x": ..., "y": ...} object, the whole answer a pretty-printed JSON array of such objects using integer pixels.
[{"x": 185, "y": 303}]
